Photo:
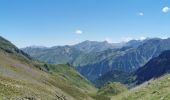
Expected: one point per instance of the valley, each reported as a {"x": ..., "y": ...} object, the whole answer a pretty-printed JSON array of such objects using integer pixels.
[
  {"x": 21, "y": 75},
  {"x": 84, "y": 50}
]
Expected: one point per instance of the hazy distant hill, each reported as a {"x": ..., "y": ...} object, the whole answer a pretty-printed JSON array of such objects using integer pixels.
[
  {"x": 54, "y": 55},
  {"x": 69, "y": 54},
  {"x": 94, "y": 46}
]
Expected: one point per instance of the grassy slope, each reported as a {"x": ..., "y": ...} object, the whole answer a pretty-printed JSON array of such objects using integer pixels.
[
  {"x": 19, "y": 74},
  {"x": 19, "y": 80},
  {"x": 112, "y": 76},
  {"x": 20, "y": 77},
  {"x": 158, "y": 89},
  {"x": 111, "y": 89},
  {"x": 70, "y": 81}
]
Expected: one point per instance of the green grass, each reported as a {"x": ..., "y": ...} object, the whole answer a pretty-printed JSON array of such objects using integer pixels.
[
  {"x": 23, "y": 78},
  {"x": 100, "y": 97},
  {"x": 111, "y": 89},
  {"x": 70, "y": 81},
  {"x": 158, "y": 89},
  {"x": 11, "y": 88}
]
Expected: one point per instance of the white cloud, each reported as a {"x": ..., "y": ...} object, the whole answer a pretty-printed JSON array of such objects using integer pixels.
[
  {"x": 166, "y": 9},
  {"x": 78, "y": 32},
  {"x": 141, "y": 14},
  {"x": 109, "y": 40}
]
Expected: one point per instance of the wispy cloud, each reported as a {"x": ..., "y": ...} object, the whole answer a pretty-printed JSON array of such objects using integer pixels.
[
  {"x": 165, "y": 9},
  {"x": 78, "y": 32}
]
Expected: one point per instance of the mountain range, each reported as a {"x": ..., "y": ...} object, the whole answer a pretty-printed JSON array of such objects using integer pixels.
[{"x": 95, "y": 59}]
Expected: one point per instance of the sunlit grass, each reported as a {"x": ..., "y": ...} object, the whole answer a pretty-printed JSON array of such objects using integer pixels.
[{"x": 158, "y": 89}]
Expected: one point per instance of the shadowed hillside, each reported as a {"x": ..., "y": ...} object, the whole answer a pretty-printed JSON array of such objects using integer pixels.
[{"x": 155, "y": 68}]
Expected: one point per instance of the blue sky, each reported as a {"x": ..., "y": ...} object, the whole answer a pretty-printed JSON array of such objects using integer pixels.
[{"x": 60, "y": 22}]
